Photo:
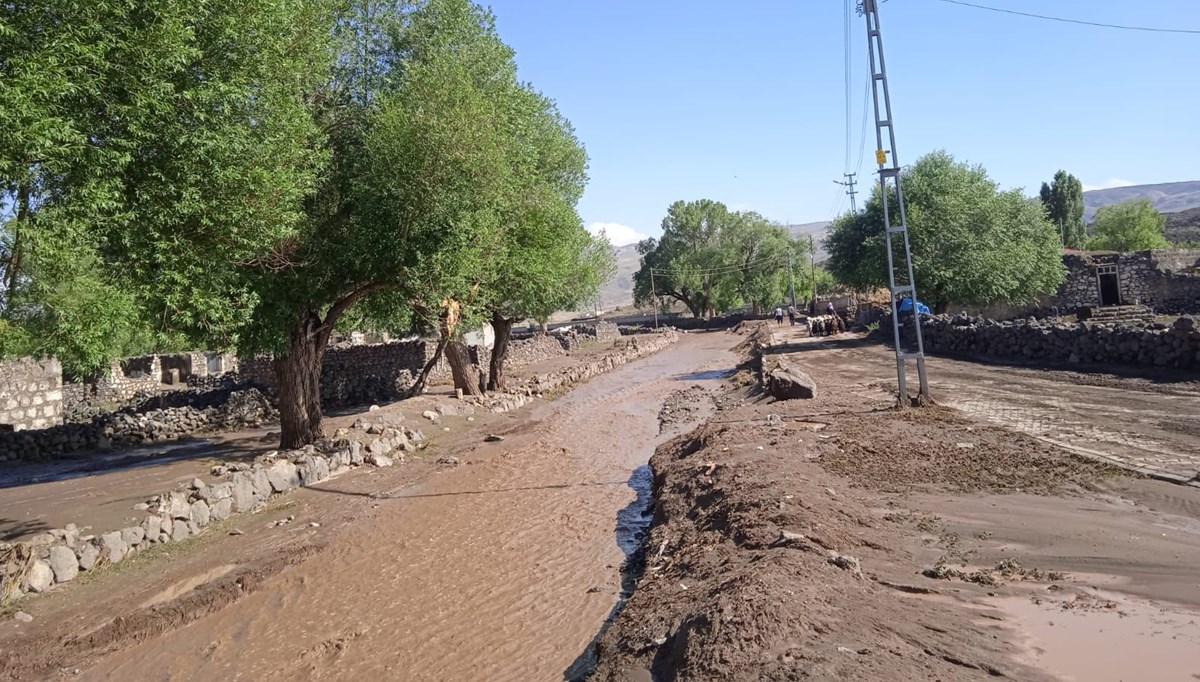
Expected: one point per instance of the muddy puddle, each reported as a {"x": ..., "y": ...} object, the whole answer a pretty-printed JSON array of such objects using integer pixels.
[{"x": 1101, "y": 636}]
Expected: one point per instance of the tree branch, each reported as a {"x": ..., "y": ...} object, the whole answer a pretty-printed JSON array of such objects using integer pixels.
[{"x": 342, "y": 305}]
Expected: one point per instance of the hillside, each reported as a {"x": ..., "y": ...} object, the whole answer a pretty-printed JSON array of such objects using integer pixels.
[
  {"x": 618, "y": 291},
  {"x": 1184, "y": 226},
  {"x": 1169, "y": 197},
  {"x": 816, "y": 230}
]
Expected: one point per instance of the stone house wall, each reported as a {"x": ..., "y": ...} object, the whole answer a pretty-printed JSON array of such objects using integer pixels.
[
  {"x": 31, "y": 395},
  {"x": 1166, "y": 280}
]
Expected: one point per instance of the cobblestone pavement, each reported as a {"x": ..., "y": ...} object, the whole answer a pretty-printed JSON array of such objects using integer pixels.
[{"x": 1148, "y": 425}]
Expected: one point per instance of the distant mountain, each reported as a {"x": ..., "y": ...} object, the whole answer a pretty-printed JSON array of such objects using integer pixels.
[
  {"x": 1168, "y": 197},
  {"x": 816, "y": 230},
  {"x": 618, "y": 291}
]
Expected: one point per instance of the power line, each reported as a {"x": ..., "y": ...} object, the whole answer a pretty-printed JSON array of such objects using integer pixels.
[
  {"x": 726, "y": 269},
  {"x": 1082, "y": 22}
]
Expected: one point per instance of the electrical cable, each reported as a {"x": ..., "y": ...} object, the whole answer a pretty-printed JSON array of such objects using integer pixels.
[{"x": 1081, "y": 22}]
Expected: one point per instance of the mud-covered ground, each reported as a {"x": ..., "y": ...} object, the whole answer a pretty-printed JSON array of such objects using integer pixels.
[{"x": 841, "y": 539}]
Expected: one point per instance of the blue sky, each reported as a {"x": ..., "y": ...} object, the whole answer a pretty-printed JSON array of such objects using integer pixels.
[{"x": 745, "y": 102}]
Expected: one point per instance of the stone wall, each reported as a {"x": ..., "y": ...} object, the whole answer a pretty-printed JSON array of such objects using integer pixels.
[
  {"x": 150, "y": 422},
  {"x": 31, "y": 395},
  {"x": 1166, "y": 280},
  {"x": 1154, "y": 345}
]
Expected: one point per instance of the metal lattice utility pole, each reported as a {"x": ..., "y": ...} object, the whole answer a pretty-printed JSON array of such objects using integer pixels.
[
  {"x": 849, "y": 185},
  {"x": 889, "y": 174}
]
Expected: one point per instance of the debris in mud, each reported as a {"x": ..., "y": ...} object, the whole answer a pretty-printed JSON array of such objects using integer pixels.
[
  {"x": 23, "y": 617},
  {"x": 449, "y": 461},
  {"x": 1008, "y": 570},
  {"x": 237, "y": 531},
  {"x": 846, "y": 563},
  {"x": 682, "y": 407},
  {"x": 492, "y": 438}
]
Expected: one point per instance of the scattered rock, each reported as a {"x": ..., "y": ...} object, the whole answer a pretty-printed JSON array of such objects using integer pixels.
[
  {"x": 40, "y": 576},
  {"x": 789, "y": 383},
  {"x": 114, "y": 546},
  {"x": 63, "y": 563},
  {"x": 314, "y": 524},
  {"x": 379, "y": 460},
  {"x": 133, "y": 535},
  {"x": 201, "y": 513},
  {"x": 221, "y": 509},
  {"x": 198, "y": 484},
  {"x": 88, "y": 554},
  {"x": 373, "y": 408},
  {"x": 283, "y": 476},
  {"x": 22, "y": 617},
  {"x": 846, "y": 563},
  {"x": 430, "y": 415},
  {"x": 237, "y": 531},
  {"x": 493, "y": 438},
  {"x": 449, "y": 461}
]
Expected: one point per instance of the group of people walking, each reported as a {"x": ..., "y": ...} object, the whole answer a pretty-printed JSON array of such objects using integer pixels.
[{"x": 791, "y": 313}]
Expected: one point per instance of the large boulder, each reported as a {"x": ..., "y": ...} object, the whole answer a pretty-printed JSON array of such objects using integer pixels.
[{"x": 789, "y": 383}]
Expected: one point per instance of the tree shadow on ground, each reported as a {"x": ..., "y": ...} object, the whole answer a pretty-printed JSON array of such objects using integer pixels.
[
  {"x": 94, "y": 463},
  {"x": 13, "y": 529}
]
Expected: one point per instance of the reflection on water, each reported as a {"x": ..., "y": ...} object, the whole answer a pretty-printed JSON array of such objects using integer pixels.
[{"x": 633, "y": 522}]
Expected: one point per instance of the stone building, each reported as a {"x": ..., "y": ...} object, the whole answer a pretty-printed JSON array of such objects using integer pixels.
[{"x": 1166, "y": 280}]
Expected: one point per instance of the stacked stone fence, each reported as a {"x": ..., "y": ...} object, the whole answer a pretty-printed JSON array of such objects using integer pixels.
[
  {"x": 139, "y": 425},
  {"x": 1175, "y": 346},
  {"x": 138, "y": 411},
  {"x": 31, "y": 395}
]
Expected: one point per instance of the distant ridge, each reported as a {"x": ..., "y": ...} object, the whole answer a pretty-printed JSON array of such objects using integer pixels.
[{"x": 1168, "y": 197}]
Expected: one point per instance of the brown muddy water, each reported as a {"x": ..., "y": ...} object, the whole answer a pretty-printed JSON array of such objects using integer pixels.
[{"x": 504, "y": 568}]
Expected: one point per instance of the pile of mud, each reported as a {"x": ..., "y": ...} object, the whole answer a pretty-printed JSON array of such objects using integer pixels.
[{"x": 768, "y": 558}]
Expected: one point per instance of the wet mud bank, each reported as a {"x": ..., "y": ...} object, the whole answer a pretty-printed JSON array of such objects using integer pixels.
[{"x": 839, "y": 538}]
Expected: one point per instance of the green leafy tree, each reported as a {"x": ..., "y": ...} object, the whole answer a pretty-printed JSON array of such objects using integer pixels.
[
  {"x": 439, "y": 159},
  {"x": 710, "y": 258},
  {"x": 1063, "y": 199},
  {"x": 145, "y": 144},
  {"x": 971, "y": 242},
  {"x": 1131, "y": 226},
  {"x": 551, "y": 266}
]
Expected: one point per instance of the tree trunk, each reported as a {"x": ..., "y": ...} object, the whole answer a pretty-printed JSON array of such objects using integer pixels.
[
  {"x": 298, "y": 372},
  {"x": 502, "y": 326},
  {"x": 419, "y": 386},
  {"x": 466, "y": 375}
]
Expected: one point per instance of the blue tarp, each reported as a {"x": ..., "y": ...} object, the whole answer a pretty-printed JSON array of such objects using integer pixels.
[{"x": 906, "y": 306}]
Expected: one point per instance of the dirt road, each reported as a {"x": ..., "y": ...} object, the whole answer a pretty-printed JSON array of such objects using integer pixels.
[
  {"x": 1151, "y": 425},
  {"x": 501, "y": 568}
]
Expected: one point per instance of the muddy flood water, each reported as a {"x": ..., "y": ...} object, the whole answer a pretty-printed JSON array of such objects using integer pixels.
[{"x": 502, "y": 569}]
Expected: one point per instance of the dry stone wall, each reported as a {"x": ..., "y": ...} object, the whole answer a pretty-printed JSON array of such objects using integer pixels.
[
  {"x": 1154, "y": 345},
  {"x": 1166, "y": 280},
  {"x": 61, "y": 555},
  {"x": 31, "y": 395}
]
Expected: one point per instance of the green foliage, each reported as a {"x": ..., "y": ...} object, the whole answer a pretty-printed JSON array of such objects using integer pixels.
[
  {"x": 971, "y": 242},
  {"x": 1131, "y": 226},
  {"x": 148, "y": 149},
  {"x": 711, "y": 259},
  {"x": 825, "y": 282},
  {"x": 1063, "y": 199}
]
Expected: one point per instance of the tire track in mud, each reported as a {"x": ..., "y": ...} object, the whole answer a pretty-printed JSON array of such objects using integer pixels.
[{"x": 503, "y": 569}]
